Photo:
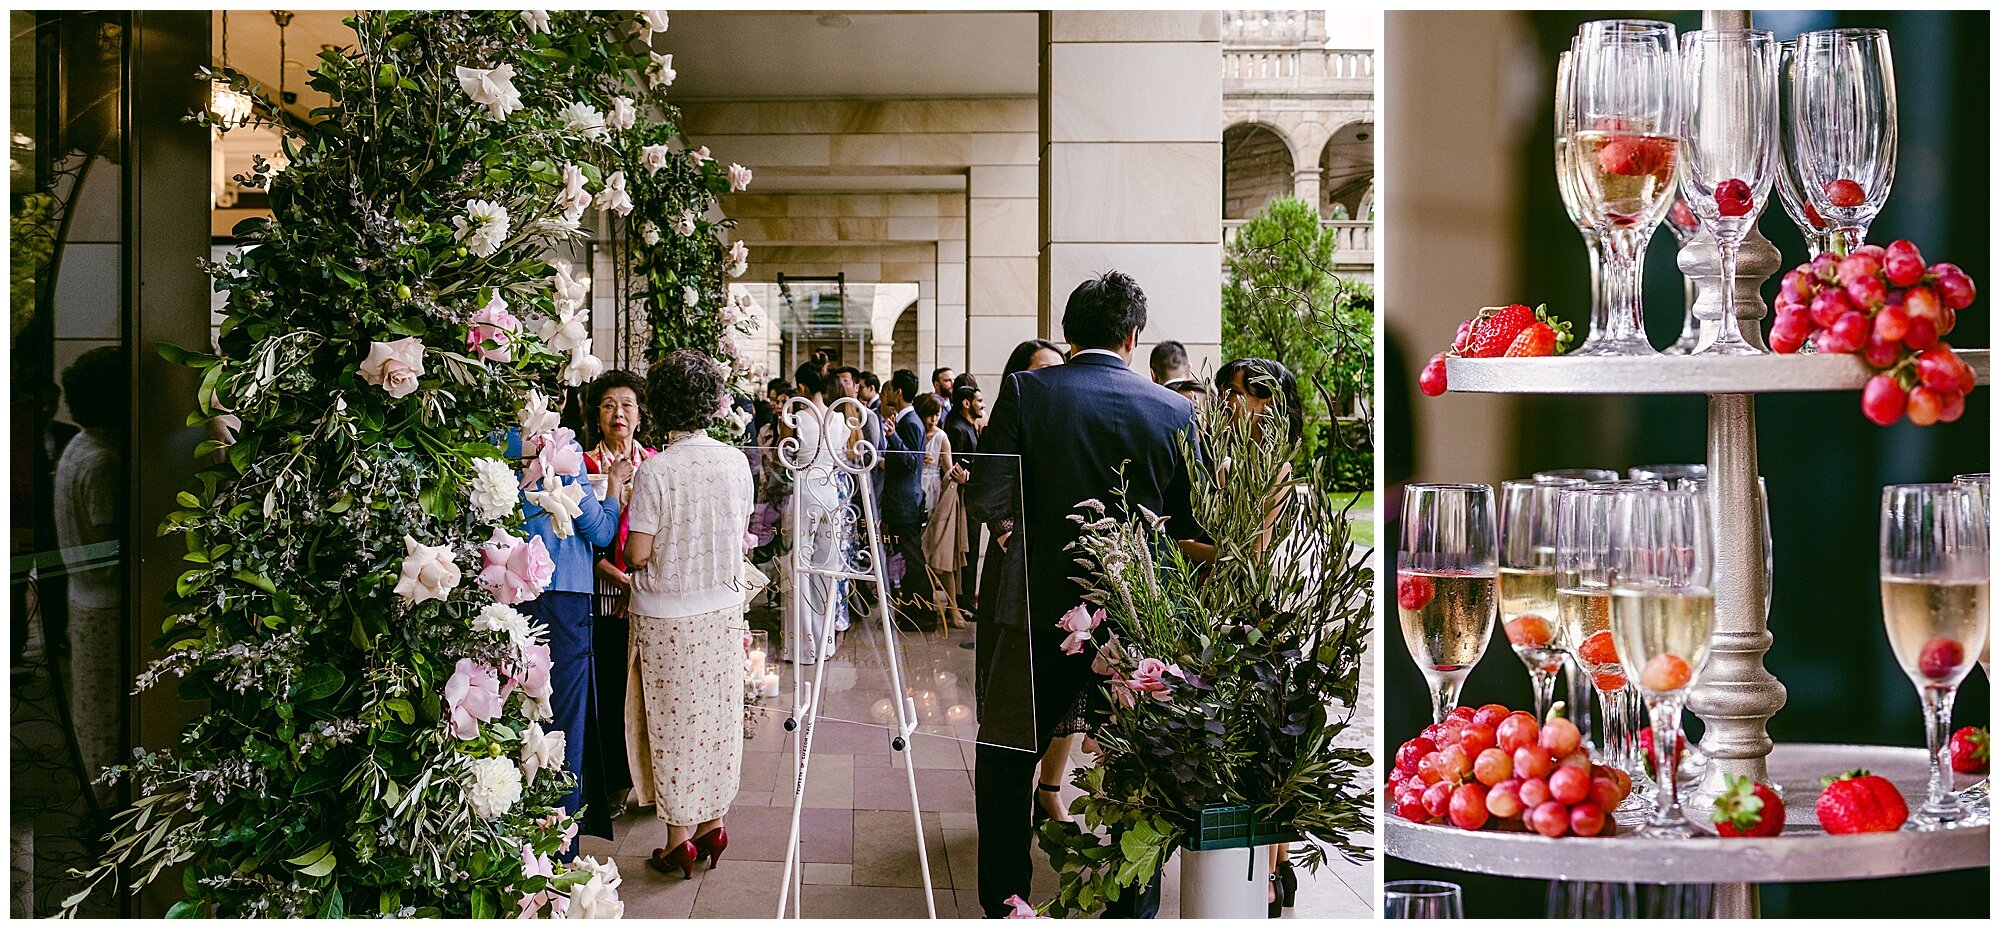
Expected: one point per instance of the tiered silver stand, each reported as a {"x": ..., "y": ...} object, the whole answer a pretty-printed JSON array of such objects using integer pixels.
[{"x": 1736, "y": 696}]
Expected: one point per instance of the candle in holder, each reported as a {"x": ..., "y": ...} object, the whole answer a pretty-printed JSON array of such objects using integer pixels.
[
  {"x": 770, "y": 683},
  {"x": 757, "y": 664}
]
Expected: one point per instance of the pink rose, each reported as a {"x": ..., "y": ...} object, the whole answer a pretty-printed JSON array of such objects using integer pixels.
[
  {"x": 1149, "y": 677},
  {"x": 471, "y": 697},
  {"x": 1121, "y": 693},
  {"x": 492, "y": 324},
  {"x": 539, "y": 865},
  {"x": 1109, "y": 655},
  {"x": 534, "y": 678},
  {"x": 514, "y": 570},
  {"x": 394, "y": 366},
  {"x": 1079, "y": 622},
  {"x": 559, "y": 456},
  {"x": 1022, "y": 908}
]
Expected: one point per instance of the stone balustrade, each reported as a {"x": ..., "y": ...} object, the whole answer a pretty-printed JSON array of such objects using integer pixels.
[
  {"x": 1278, "y": 69},
  {"x": 1353, "y": 240}
]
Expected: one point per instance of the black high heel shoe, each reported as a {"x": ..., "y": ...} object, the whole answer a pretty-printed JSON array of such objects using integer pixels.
[
  {"x": 1286, "y": 888},
  {"x": 1042, "y": 813}
]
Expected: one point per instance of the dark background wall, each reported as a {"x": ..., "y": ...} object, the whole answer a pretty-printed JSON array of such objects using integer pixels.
[{"x": 1823, "y": 462}]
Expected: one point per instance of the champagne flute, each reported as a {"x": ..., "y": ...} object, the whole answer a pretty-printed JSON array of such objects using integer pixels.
[
  {"x": 1528, "y": 580},
  {"x": 1730, "y": 127},
  {"x": 1844, "y": 128},
  {"x": 1583, "y": 605},
  {"x": 1570, "y": 186},
  {"x": 1934, "y": 590},
  {"x": 1790, "y": 190},
  {"x": 1981, "y": 485},
  {"x": 1663, "y": 618},
  {"x": 1579, "y": 690},
  {"x": 1682, "y": 222},
  {"x": 1447, "y": 583},
  {"x": 1627, "y": 88}
]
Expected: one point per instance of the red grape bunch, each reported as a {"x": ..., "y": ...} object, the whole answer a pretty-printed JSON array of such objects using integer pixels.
[
  {"x": 1499, "y": 768},
  {"x": 1886, "y": 305}
]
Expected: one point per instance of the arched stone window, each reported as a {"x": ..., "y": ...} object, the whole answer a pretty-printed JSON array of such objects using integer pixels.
[
  {"x": 1256, "y": 169},
  {"x": 1347, "y": 172}
]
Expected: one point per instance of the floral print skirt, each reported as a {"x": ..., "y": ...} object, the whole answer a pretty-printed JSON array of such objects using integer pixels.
[{"x": 687, "y": 755}]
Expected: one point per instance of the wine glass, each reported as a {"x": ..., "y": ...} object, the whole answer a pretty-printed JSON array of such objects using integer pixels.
[
  {"x": 1447, "y": 583},
  {"x": 1667, "y": 472},
  {"x": 1583, "y": 623},
  {"x": 1790, "y": 191},
  {"x": 1682, "y": 222},
  {"x": 1579, "y": 690},
  {"x": 1627, "y": 87},
  {"x": 1844, "y": 128},
  {"x": 1570, "y": 186},
  {"x": 1934, "y": 589},
  {"x": 1528, "y": 580},
  {"x": 1586, "y": 475},
  {"x": 1422, "y": 900},
  {"x": 1663, "y": 617},
  {"x": 1730, "y": 126}
]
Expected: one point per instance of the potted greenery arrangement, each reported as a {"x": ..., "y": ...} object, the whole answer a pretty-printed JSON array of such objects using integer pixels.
[{"x": 1230, "y": 681}]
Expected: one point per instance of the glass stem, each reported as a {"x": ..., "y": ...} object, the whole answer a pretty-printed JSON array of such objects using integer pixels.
[
  {"x": 1599, "y": 315},
  {"x": 1842, "y": 241},
  {"x": 1545, "y": 690},
  {"x": 1728, "y": 333},
  {"x": 1666, "y": 712},
  {"x": 1444, "y": 698},
  {"x": 1579, "y": 698},
  {"x": 1614, "y": 729},
  {"x": 1941, "y": 800}
]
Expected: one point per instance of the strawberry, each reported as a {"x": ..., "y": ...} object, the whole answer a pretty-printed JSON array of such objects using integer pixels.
[
  {"x": 1941, "y": 657},
  {"x": 1598, "y": 650},
  {"x": 1971, "y": 748},
  {"x": 1733, "y": 198},
  {"x": 1413, "y": 591},
  {"x": 1646, "y": 749},
  {"x": 1632, "y": 156},
  {"x": 1536, "y": 341},
  {"x": 1494, "y": 329},
  {"x": 1748, "y": 810},
  {"x": 1860, "y": 802}
]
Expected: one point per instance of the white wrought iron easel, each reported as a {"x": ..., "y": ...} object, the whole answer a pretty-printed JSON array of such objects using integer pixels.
[{"x": 850, "y": 466}]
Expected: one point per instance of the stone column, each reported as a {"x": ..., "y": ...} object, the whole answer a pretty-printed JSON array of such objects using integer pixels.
[
  {"x": 1305, "y": 186},
  {"x": 1131, "y": 167}
]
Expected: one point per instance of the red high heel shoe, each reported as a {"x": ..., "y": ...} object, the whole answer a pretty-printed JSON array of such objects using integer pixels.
[
  {"x": 710, "y": 845},
  {"x": 681, "y": 859}
]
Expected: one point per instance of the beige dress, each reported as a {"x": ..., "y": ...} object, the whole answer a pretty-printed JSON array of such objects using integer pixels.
[
  {"x": 947, "y": 534},
  {"x": 687, "y": 607}
]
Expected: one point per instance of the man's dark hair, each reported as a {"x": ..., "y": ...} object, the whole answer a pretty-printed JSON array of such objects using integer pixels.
[
  {"x": 1168, "y": 357},
  {"x": 905, "y": 382},
  {"x": 1103, "y": 311},
  {"x": 612, "y": 380},
  {"x": 1024, "y": 354},
  {"x": 685, "y": 389},
  {"x": 926, "y": 405},
  {"x": 874, "y": 383},
  {"x": 937, "y": 371},
  {"x": 962, "y": 395},
  {"x": 811, "y": 379},
  {"x": 853, "y": 373},
  {"x": 964, "y": 380},
  {"x": 779, "y": 386},
  {"x": 96, "y": 386}
]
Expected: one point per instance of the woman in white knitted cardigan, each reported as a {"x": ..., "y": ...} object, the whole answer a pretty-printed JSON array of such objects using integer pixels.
[{"x": 690, "y": 510}]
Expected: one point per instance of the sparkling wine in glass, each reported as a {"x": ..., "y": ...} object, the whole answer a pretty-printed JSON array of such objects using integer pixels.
[
  {"x": 1730, "y": 123},
  {"x": 1528, "y": 581},
  {"x": 1981, "y": 485},
  {"x": 1447, "y": 583},
  {"x": 1663, "y": 618},
  {"x": 1627, "y": 87},
  {"x": 1935, "y": 579},
  {"x": 1811, "y": 224},
  {"x": 1570, "y": 186},
  {"x": 1844, "y": 128},
  {"x": 1583, "y": 607}
]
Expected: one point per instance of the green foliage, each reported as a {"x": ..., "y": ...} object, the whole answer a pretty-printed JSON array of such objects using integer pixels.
[
  {"x": 1262, "y": 648},
  {"x": 322, "y": 777},
  {"x": 1281, "y": 301}
]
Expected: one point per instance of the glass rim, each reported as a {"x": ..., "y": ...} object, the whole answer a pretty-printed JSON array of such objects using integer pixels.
[
  {"x": 1554, "y": 483},
  {"x": 1845, "y": 32},
  {"x": 1711, "y": 35},
  {"x": 1974, "y": 477},
  {"x": 1420, "y": 889},
  {"x": 1427, "y": 485},
  {"x": 1952, "y": 486},
  {"x": 1626, "y": 26}
]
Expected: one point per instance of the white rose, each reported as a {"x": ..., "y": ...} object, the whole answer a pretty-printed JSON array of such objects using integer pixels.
[
  {"x": 686, "y": 225},
  {"x": 493, "y": 489},
  {"x": 653, "y": 158},
  {"x": 567, "y": 329},
  {"x": 573, "y": 199},
  {"x": 739, "y": 259},
  {"x": 541, "y": 750},
  {"x": 739, "y": 177},
  {"x": 661, "y": 72},
  {"x": 563, "y": 504},
  {"x": 649, "y": 233},
  {"x": 690, "y": 296},
  {"x": 537, "y": 20},
  {"x": 699, "y": 157},
  {"x": 540, "y": 710},
  {"x": 614, "y": 197},
  {"x": 557, "y": 228},
  {"x": 598, "y": 899},
  {"x": 653, "y": 20},
  {"x": 570, "y": 291},
  {"x": 536, "y": 417},
  {"x": 492, "y": 88},
  {"x": 394, "y": 366},
  {"x": 428, "y": 572},
  {"x": 583, "y": 119},
  {"x": 483, "y": 227},
  {"x": 622, "y": 115},
  {"x": 583, "y": 367},
  {"x": 493, "y": 787}
]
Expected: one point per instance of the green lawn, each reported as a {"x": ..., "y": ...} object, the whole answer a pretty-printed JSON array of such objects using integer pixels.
[{"x": 1363, "y": 517}]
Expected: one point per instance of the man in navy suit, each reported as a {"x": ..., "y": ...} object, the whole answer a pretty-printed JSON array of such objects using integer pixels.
[
  {"x": 1083, "y": 430},
  {"x": 903, "y": 493}
]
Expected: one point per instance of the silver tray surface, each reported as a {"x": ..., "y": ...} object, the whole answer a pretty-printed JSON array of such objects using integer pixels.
[
  {"x": 1802, "y": 853},
  {"x": 1671, "y": 374}
]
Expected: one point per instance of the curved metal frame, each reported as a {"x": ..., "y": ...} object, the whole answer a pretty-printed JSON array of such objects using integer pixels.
[{"x": 851, "y": 465}]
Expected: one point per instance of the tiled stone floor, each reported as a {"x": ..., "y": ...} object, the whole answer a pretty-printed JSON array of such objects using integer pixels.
[{"x": 858, "y": 844}]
